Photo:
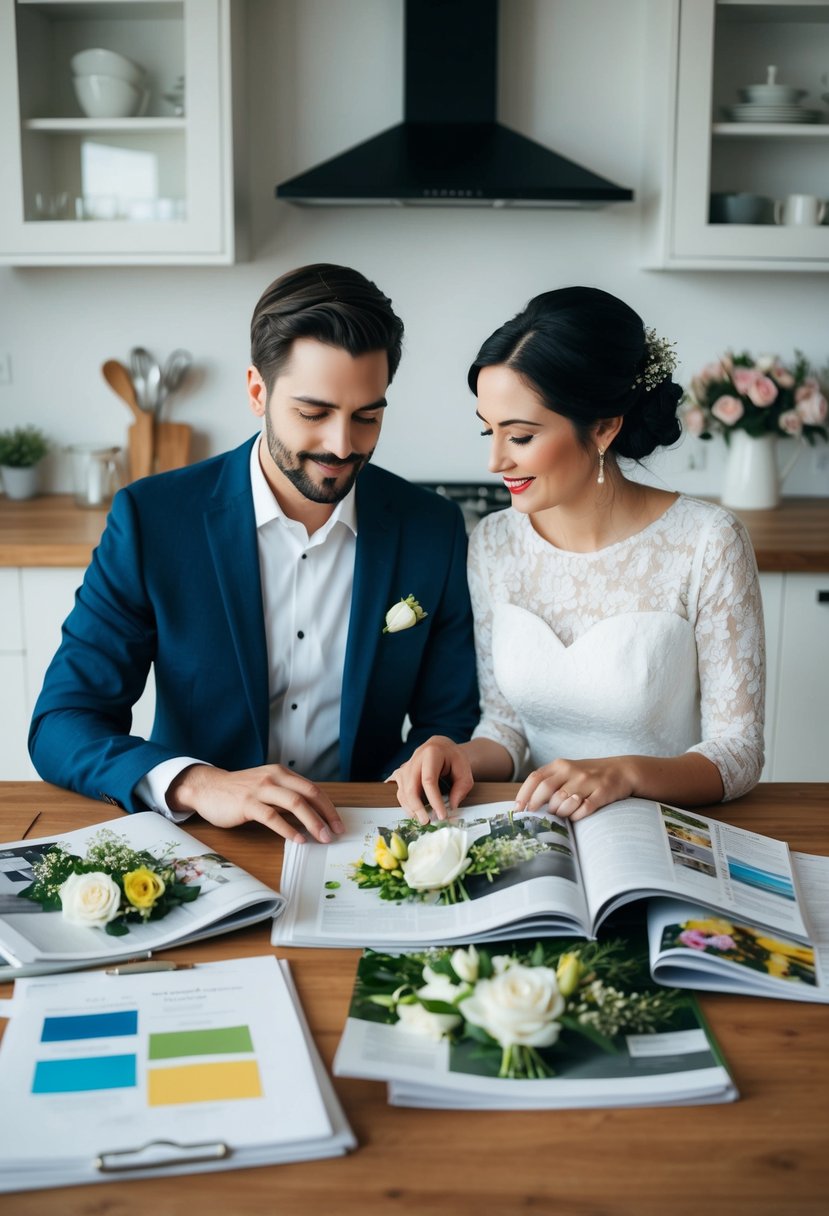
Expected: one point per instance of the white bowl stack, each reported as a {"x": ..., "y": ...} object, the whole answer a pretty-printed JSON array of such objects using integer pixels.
[
  {"x": 771, "y": 102},
  {"x": 107, "y": 85}
]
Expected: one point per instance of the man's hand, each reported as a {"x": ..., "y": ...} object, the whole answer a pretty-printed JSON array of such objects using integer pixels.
[
  {"x": 437, "y": 760},
  {"x": 273, "y": 795}
]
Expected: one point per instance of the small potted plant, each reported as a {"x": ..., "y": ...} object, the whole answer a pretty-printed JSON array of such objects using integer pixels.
[{"x": 21, "y": 450}]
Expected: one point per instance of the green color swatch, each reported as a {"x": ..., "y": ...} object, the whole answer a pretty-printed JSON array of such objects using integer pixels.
[{"x": 217, "y": 1041}]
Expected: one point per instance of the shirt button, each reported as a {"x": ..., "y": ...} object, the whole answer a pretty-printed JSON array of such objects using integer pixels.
[
  {"x": 304, "y": 556},
  {"x": 294, "y": 706},
  {"x": 300, "y": 634},
  {"x": 291, "y": 763}
]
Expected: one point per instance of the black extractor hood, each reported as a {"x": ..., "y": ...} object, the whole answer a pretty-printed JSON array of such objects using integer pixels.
[{"x": 450, "y": 150}]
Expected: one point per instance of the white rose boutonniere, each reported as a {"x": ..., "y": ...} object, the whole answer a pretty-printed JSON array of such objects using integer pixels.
[
  {"x": 402, "y": 615},
  {"x": 90, "y": 899}
]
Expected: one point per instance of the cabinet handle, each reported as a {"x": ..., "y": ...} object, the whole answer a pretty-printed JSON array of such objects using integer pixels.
[{"x": 823, "y": 597}]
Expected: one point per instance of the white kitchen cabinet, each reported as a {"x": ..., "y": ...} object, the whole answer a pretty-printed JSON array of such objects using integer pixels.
[
  {"x": 800, "y": 709},
  {"x": 702, "y": 52},
  {"x": 34, "y": 602},
  {"x": 154, "y": 189}
]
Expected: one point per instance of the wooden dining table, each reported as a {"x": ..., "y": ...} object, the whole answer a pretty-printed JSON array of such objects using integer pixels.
[{"x": 766, "y": 1154}]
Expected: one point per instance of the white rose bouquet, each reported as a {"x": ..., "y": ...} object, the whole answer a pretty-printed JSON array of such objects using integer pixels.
[
  {"x": 517, "y": 1010},
  {"x": 759, "y": 396},
  {"x": 434, "y": 861},
  {"x": 112, "y": 886}
]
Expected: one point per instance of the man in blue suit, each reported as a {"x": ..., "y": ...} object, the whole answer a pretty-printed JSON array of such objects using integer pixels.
[{"x": 257, "y": 585}]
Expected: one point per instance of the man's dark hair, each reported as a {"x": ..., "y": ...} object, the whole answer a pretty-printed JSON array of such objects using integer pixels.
[{"x": 334, "y": 305}]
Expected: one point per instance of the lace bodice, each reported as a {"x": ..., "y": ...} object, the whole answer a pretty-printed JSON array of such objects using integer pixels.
[{"x": 652, "y": 646}]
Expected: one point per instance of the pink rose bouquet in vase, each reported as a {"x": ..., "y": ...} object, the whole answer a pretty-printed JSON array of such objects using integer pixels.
[{"x": 751, "y": 402}]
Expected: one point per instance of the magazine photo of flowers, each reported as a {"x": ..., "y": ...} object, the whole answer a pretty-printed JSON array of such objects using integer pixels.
[
  {"x": 462, "y": 860},
  {"x": 744, "y": 946},
  {"x": 113, "y": 886},
  {"x": 523, "y": 1011}
]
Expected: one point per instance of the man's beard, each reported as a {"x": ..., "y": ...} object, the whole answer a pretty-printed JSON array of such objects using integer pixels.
[{"x": 292, "y": 465}]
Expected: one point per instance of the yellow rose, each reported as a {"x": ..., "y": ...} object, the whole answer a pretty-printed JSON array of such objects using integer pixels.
[
  {"x": 398, "y": 846},
  {"x": 777, "y": 965},
  {"x": 383, "y": 855},
  {"x": 143, "y": 888},
  {"x": 802, "y": 954},
  {"x": 568, "y": 973}
]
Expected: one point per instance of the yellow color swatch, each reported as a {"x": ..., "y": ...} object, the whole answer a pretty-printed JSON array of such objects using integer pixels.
[{"x": 219, "y": 1082}]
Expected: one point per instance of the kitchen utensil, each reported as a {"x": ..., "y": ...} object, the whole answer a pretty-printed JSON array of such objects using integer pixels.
[
  {"x": 119, "y": 379},
  {"x": 172, "y": 445},
  {"x": 174, "y": 371},
  {"x": 146, "y": 375}
]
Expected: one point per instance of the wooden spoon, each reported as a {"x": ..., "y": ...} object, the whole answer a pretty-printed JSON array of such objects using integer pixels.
[{"x": 141, "y": 439}]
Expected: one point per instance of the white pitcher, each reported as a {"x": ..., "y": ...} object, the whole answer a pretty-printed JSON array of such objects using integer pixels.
[{"x": 752, "y": 480}]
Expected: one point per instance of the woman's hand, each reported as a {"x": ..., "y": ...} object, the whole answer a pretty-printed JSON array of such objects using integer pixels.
[
  {"x": 574, "y": 789},
  {"x": 438, "y": 759}
]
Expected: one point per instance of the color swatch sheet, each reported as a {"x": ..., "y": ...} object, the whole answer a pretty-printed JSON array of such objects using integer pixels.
[{"x": 93, "y": 1064}]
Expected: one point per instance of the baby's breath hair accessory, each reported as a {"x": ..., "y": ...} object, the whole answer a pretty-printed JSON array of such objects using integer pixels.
[{"x": 660, "y": 360}]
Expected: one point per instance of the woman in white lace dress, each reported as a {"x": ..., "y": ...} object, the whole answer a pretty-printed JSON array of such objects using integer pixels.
[{"x": 618, "y": 627}]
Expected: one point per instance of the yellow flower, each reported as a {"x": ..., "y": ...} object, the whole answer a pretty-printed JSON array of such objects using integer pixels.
[
  {"x": 802, "y": 954},
  {"x": 568, "y": 973},
  {"x": 143, "y": 888},
  {"x": 398, "y": 846},
  {"x": 712, "y": 924},
  {"x": 384, "y": 856},
  {"x": 777, "y": 965}
]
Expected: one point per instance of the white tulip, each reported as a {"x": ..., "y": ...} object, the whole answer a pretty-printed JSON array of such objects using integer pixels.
[
  {"x": 415, "y": 1018},
  {"x": 436, "y": 859},
  {"x": 400, "y": 616},
  {"x": 465, "y": 964}
]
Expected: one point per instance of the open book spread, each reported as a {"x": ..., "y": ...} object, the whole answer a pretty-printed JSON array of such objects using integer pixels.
[
  {"x": 490, "y": 874},
  {"x": 691, "y": 947},
  {"x": 36, "y": 942},
  {"x": 559, "y": 1023},
  {"x": 169, "y": 1073}
]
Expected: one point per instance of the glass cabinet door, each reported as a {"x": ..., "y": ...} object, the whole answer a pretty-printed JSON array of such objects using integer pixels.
[{"x": 118, "y": 149}]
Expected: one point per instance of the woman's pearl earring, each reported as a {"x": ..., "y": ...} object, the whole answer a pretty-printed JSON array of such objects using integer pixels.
[{"x": 600, "y": 478}]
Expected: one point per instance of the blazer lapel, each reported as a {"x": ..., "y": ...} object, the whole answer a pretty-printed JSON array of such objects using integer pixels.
[
  {"x": 378, "y": 528},
  {"x": 231, "y": 534}
]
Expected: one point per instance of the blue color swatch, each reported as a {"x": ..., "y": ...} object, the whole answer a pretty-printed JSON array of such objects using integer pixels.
[
  {"x": 90, "y": 1026},
  {"x": 76, "y": 1076}
]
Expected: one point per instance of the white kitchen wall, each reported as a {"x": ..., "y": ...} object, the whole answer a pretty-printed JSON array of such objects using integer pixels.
[{"x": 321, "y": 75}]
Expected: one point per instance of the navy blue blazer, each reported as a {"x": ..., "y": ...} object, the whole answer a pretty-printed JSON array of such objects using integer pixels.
[{"x": 175, "y": 583}]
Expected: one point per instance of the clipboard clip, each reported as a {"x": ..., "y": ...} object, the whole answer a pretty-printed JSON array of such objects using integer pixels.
[{"x": 156, "y": 1154}]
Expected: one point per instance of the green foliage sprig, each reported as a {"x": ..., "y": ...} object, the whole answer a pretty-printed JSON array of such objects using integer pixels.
[{"x": 22, "y": 446}]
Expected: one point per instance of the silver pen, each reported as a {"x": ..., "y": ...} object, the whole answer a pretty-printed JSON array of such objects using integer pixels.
[{"x": 149, "y": 965}]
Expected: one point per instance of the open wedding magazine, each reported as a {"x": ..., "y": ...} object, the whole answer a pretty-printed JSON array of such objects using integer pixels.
[
  {"x": 691, "y": 947},
  {"x": 490, "y": 874},
  {"x": 554, "y": 1024},
  {"x": 191, "y": 892}
]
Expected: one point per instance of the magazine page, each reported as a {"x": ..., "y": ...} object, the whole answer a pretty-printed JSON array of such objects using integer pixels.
[
  {"x": 173, "y": 1072},
  {"x": 556, "y": 1023},
  {"x": 692, "y": 948},
  {"x": 637, "y": 848},
  {"x": 389, "y": 881},
  {"x": 226, "y": 896}
]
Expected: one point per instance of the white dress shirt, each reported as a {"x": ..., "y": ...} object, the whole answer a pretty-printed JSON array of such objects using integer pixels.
[{"x": 306, "y": 601}]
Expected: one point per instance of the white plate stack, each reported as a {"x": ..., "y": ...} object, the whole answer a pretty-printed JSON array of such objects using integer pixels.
[{"x": 771, "y": 102}]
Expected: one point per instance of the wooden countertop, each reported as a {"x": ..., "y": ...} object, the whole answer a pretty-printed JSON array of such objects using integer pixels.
[
  {"x": 764, "y": 1154},
  {"x": 53, "y": 531}
]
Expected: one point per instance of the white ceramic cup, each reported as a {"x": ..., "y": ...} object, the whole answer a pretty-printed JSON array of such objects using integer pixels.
[{"x": 803, "y": 209}]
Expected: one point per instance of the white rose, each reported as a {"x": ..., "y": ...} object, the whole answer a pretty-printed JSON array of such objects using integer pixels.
[
  {"x": 436, "y": 859},
  {"x": 400, "y": 616},
  {"x": 465, "y": 964},
  {"x": 420, "y": 1020},
  {"x": 518, "y": 1007},
  {"x": 90, "y": 899}
]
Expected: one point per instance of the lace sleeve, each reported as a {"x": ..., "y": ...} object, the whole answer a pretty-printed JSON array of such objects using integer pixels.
[
  {"x": 498, "y": 721},
  {"x": 732, "y": 661}
]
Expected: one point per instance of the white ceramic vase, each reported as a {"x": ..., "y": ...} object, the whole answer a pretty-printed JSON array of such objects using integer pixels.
[
  {"x": 20, "y": 483},
  {"x": 752, "y": 479}
]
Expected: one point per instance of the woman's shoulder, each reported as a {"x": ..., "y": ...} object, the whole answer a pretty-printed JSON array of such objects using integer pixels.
[{"x": 711, "y": 521}]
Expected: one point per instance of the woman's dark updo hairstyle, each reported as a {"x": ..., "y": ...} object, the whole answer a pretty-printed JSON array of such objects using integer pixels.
[{"x": 583, "y": 351}]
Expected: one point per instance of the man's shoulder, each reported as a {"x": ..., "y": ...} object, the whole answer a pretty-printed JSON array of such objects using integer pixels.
[
  {"x": 378, "y": 485},
  {"x": 225, "y": 473}
]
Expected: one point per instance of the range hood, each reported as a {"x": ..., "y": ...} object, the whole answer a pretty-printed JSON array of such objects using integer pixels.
[{"x": 450, "y": 150}]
